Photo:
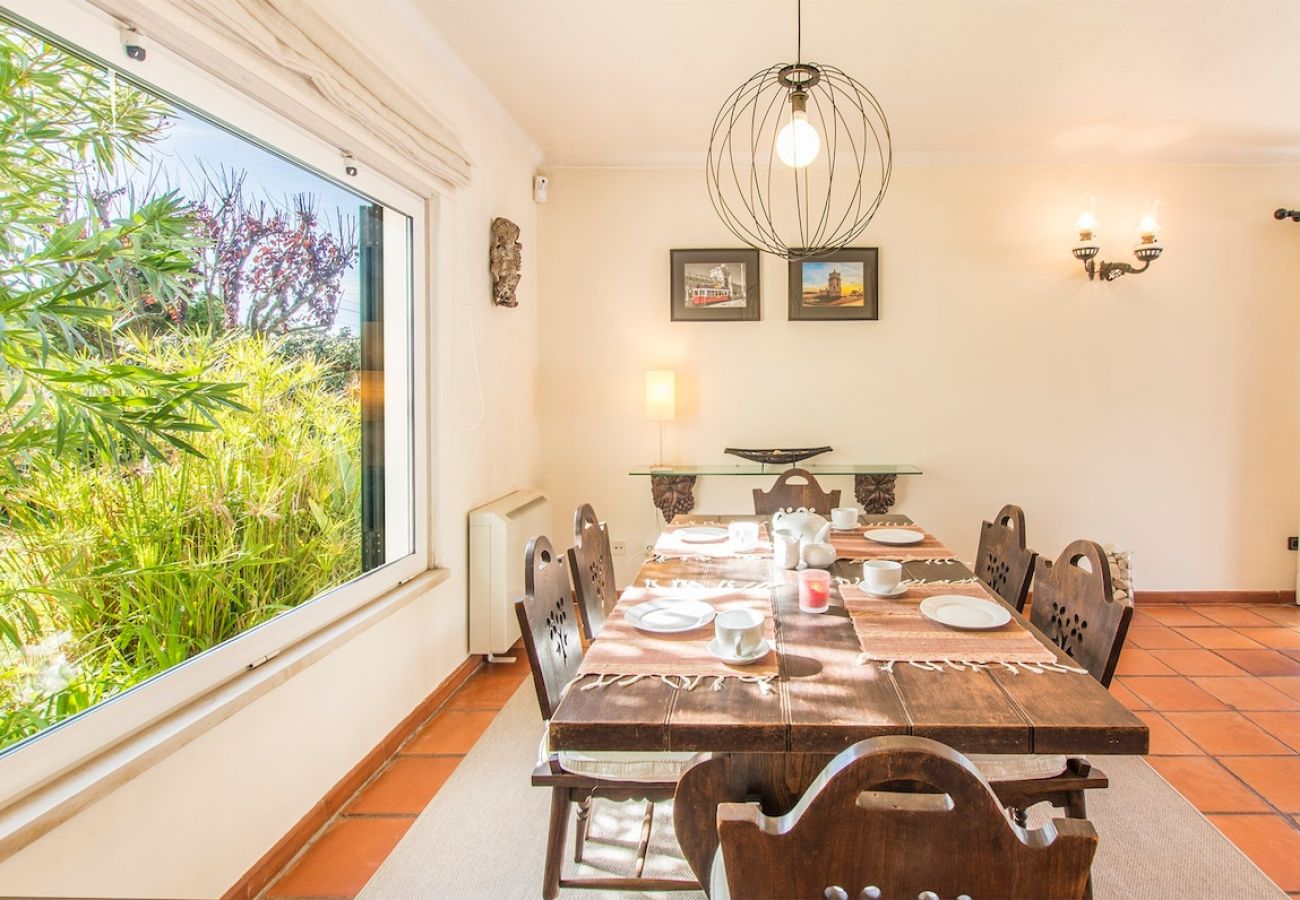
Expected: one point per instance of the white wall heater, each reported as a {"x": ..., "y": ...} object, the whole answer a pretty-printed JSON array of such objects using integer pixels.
[{"x": 498, "y": 534}]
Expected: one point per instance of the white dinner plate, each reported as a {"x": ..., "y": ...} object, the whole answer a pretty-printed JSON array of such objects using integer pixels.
[
  {"x": 965, "y": 613},
  {"x": 894, "y": 536},
  {"x": 720, "y": 654},
  {"x": 669, "y": 616},
  {"x": 701, "y": 534}
]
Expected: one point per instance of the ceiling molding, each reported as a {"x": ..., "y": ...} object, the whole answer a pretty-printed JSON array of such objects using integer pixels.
[
  {"x": 447, "y": 58},
  {"x": 919, "y": 158}
]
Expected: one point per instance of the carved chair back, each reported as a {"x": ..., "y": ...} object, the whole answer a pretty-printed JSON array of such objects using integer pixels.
[
  {"x": 548, "y": 624},
  {"x": 900, "y": 814},
  {"x": 1074, "y": 606},
  {"x": 795, "y": 488},
  {"x": 1003, "y": 560},
  {"x": 592, "y": 565}
]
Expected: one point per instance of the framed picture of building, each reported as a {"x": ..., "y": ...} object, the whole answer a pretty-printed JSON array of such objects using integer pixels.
[
  {"x": 840, "y": 285},
  {"x": 714, "y": 285}
]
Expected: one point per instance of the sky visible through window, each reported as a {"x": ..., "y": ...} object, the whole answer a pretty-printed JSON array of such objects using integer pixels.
[{"x": 190, "y": 144}]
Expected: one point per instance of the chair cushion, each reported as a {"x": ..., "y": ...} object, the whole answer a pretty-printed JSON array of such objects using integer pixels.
[
  {"x": 1017, "y": 766},
  {"x": 617, "y": 765}
]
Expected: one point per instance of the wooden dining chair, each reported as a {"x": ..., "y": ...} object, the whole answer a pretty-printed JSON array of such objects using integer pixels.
[
  {"x": 1003, "y": 562},
  {"x": 1075, "y": 608},
  {"x": 795, "y": 489},
  {"x": 897, "y": 817},
  {"x": 592, "y": 566},
  {"x": 550, "y": 637}
]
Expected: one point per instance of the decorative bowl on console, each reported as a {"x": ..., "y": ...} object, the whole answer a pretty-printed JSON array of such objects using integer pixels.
[{"x": 780, "y": 457}]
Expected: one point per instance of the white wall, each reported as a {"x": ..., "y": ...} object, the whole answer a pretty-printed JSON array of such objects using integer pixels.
[
  {"x": 193, "y": 824},
  {"x": 1158, "y": 412}
]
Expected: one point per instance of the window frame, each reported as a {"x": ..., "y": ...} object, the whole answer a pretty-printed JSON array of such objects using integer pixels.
[{"x": 67, "y": 746}]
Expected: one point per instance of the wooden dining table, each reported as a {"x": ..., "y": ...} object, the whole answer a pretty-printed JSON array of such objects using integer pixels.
[{"x": 824, "y": 700}]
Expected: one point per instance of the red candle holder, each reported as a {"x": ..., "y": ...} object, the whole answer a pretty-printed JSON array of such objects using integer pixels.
[{"x": 814, "y": 590}]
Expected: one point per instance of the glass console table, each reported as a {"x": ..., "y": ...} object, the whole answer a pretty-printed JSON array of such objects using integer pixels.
[{"x": 672, "y": 486}]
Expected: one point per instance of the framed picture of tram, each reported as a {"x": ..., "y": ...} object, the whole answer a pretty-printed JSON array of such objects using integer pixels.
[
  {"x": 715, "y": 285},
  {"x": 840, "y": 285}
]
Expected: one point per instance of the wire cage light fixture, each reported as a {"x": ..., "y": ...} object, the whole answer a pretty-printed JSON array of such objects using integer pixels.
[{"x": 800, "y": 158}]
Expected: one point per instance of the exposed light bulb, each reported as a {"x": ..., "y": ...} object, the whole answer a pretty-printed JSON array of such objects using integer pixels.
[
  {"x": 798, "y": 143},
  {"x": 1086, "y": 222},
  {"x": 1148, "y": 227}
]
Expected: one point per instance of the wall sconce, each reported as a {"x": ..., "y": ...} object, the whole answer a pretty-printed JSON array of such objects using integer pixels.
[
  {"x": 1292, "y": 214},
  {"x": 1147, "y": 250},
  {"x": 661, "y": 401}
]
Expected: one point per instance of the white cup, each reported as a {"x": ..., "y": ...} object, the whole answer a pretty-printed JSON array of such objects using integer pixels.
[
  {"x": 739, "y": 631},
  {"x": 882, "y": 576},
  {"x": 844, "y": 517},
  {"x": 743, "y": 535},
  {"x": 785, "y": 549}
]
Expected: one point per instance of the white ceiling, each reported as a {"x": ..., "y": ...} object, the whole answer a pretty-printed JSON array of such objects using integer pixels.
[{"x": 638, "y": 82}]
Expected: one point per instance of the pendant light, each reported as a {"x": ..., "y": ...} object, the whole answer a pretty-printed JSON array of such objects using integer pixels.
[{"x": 799, "y": 158}]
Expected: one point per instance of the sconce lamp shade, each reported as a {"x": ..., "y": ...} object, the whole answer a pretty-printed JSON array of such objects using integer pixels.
[{"x": 660, "y": 395}]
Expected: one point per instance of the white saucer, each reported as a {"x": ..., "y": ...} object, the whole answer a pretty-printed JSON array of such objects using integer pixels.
[
  {"x": 964, "y": 613},
  {"x": 894, "y": 536},
  {"x": 899, "y": 590},
  {"x": 845, "y": 530},
  {"x": 669, "y": 616},
  {"x": 718, "y": 653}
]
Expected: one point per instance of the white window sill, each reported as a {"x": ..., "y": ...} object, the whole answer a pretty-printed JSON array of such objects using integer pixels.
[{"x": 50, "y": 805}]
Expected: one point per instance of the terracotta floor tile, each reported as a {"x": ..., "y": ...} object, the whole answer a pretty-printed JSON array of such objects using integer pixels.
[
  {"x": 1223, "y": 733},
  {"x": 484, "y": 693},
  {"x": 1270, "y": 841},
  {"x": 1178, "y": 615},
  {"x": 1262, "y": 662},
  {"x": 1172, "y": 693},
  {"x": 1281, "y": 613},
  {"x": 405, "y": 787},
  {"x": 1207, "y": 785},
  {"x": 1235, "y": 616},
  {"x": 1221, "y": 638},
  {"x": 1136, "y": 661},
  {"x": 342, "y": 859},
  {"x": 1279, "y": 637},
  {"x": 1195, "y": 662},
  {"x": 1275, "y": 778},
  {"x": 1289, "y": 686},
  {"x": 1247, "y": 692},
  {"x": 1140, "y": 618},
  {"x": 1166, "y": 740},
  {"x": 455, "y": 731},
  {"x": 1157, "y": 637},
  {"x": 1121, "y": 693},
  {"x": 1285, "y": 726}
]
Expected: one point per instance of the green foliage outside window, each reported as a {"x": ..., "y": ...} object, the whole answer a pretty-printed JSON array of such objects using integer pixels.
[{"x": 170, "y": 476}]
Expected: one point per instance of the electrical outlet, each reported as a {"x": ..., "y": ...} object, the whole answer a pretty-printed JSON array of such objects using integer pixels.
[
  {"x": 618, "y": 548},
  {"x": 1293, "y": 543}
]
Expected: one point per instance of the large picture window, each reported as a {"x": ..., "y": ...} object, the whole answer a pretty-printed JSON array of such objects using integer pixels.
[{"x": 205, "y": 384}]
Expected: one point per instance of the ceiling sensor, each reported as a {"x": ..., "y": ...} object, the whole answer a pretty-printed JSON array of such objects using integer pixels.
[
  {"x": 541, "y": 184},
  {"x": 132, "y": 43}
]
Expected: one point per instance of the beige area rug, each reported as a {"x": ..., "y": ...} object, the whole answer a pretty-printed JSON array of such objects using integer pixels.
[{"x": 484, "y": 834}]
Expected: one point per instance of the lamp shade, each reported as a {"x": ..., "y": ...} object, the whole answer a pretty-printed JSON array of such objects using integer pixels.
[{"x": 660, "y": 395}]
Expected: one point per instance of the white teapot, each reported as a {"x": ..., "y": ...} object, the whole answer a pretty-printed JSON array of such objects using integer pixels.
[{"x": 810, "y": 527}]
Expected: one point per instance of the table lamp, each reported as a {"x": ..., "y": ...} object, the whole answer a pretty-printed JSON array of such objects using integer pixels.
[{"x": 661, "y": 401}]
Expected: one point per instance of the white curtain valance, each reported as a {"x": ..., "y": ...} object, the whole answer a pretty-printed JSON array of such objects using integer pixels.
[{"x": 283, "y": 53}]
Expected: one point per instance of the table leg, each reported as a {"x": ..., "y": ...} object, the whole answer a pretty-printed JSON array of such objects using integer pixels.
[
  {"x": 775, "y": 780},
  {"x": 673, "y": 494},
  {"x": 875, "y": 492}
]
